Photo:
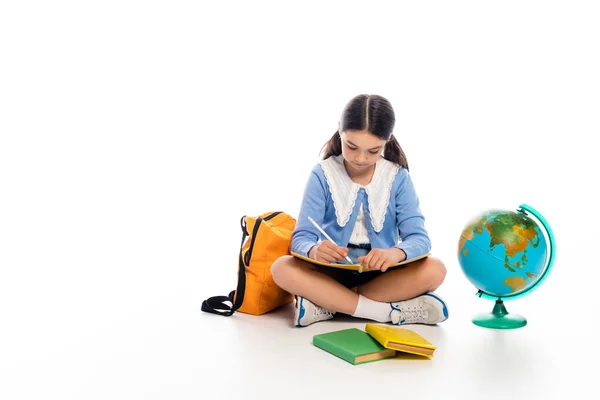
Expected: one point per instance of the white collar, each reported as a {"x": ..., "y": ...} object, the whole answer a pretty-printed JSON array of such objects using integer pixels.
[{"x": 344, "y": 190}]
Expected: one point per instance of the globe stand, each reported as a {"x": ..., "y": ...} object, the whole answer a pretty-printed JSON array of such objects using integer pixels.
[{"x": 499, "y": 318}]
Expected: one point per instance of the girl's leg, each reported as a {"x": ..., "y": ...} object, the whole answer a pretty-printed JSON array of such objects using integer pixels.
[
  {"x": 300, "y": 278},
  {"x": 406, "y": 291},
  {"x": 404, "y": 283},
  {"x": 380, "y": 299}
]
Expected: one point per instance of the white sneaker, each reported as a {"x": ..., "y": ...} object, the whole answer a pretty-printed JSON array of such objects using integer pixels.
[
  {"x": 307, "y": 313},
  {"x": 425, "y": 309}
]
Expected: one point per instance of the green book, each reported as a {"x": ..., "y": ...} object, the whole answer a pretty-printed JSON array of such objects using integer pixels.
[{"x": 352, "y": 345}]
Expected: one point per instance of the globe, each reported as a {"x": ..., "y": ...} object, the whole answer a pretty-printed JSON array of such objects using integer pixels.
[{"x": 505, "y": 254}]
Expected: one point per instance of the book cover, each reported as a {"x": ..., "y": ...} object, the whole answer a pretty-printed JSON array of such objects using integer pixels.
[
  {"x": 352, "y": 345},
  {"x": 354, "y": 267},
  {"x": 400, "y": 339}
]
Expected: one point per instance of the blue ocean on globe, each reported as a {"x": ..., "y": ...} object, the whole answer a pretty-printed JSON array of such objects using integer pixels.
[{"x": 502, "y": 253}]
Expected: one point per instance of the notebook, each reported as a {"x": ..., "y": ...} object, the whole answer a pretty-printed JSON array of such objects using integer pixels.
[
  {"x": 400, "y": 339},
  {"x": 354, "y": 267},
  {"x": 352, "y": 345}
]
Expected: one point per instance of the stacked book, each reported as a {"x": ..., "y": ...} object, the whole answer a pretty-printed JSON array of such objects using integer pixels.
[{"x": 377, "y": 342}]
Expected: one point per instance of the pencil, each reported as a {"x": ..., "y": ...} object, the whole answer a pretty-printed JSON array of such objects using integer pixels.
[{"x": 331, "y": 240}]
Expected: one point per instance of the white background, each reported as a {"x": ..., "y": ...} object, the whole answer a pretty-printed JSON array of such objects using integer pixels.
[{"x": 135, "y": 135}]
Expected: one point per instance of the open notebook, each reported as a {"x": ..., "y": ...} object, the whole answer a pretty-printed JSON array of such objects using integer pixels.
[{"x": 354, "y": 267}]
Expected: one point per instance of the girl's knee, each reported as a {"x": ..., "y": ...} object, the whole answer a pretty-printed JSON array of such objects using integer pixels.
[
  {"x": 437, "y": 272},
  {"x": 281, "y": 268}
]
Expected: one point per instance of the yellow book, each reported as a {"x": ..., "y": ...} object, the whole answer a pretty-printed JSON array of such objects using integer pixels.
[
  {"x": 400, "y": 339},
  {"x": 354, "y": 267}
]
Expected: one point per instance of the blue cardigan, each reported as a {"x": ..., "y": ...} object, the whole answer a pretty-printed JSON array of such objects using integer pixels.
[{"x": 403, "y": 217}]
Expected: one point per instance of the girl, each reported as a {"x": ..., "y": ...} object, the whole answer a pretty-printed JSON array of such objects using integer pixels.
[{"x": 362, "y": 195}]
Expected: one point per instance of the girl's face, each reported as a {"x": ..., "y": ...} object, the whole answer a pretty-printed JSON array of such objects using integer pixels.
[{"x": 361, "y": 149}]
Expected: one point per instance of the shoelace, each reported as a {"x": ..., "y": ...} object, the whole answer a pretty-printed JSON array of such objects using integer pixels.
[
  {"x": 321, "y": 312},
  {"x": 413, "y": 314}
]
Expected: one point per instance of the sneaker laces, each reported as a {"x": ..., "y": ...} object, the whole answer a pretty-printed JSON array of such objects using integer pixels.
[
  {"x": 321, "y": 312},
  {"x": 413, "y": 314}
]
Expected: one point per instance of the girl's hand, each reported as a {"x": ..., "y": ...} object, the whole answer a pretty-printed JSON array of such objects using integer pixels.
[
  {"x": 328, "y": 252},
  {"x": 381, "y": 259}
]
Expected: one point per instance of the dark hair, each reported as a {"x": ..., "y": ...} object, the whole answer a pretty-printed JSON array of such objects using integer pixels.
[{"x": 371, "y": 113}]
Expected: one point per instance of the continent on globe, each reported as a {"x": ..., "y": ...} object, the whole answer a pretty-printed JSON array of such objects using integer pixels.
[{"x": 515, "y": 231}]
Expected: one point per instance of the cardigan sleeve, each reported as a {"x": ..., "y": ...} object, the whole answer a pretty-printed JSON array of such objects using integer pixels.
[
  {"x": 305, "y": 235},
  {"x": 410, "y": 220}
]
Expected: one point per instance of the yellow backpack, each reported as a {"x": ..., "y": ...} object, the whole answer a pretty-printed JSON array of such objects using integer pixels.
[{"x": 269, "y": 237}]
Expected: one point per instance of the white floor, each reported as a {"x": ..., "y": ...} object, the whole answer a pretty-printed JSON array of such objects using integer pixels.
[
  {"x": 132, "y": 344},
  {"x": 549, "y": 358}
]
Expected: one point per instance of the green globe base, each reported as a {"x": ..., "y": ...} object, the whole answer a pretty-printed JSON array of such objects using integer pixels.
[{"x": 499, "y": 318}]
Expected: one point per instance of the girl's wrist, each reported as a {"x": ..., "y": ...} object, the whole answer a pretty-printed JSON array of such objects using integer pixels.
[
  {"x": 398, "y": 254},
  {"x": 309, "y": 254}
]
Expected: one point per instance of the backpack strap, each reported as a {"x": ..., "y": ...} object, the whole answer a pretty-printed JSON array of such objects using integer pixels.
[{"x": 216, "y": 304}]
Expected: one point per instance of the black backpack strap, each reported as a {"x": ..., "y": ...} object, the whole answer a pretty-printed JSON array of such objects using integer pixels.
[{"x": 216, "y": 304}]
